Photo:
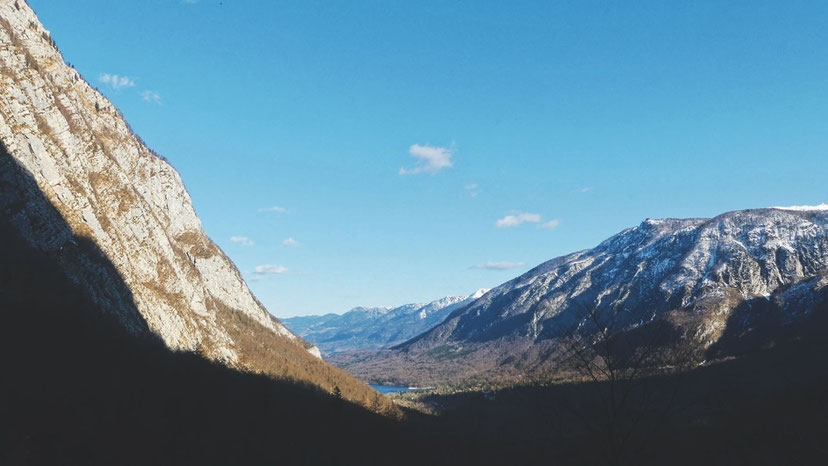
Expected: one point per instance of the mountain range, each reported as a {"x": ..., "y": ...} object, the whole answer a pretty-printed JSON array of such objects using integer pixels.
[
  {"x": 711, "y": 281},
  {"x": 375, "y": 327}
]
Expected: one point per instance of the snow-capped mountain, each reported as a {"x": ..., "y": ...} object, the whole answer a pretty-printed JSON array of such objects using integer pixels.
[
  {"x": 657, "y": 267},
  {"x": 694, "y": 273},
  {"x": 375, "y": 327}
]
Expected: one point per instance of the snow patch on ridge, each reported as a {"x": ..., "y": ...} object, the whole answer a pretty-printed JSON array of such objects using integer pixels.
[{"x": 805, "y": 208}]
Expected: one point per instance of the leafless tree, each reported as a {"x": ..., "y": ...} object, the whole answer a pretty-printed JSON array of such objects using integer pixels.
[{"x": 631, "y": 372}]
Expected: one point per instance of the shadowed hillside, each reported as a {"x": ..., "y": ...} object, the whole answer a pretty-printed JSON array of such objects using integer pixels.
[
  {"x": 79, "y": 389},
  {"x": 83, "y": 172}
]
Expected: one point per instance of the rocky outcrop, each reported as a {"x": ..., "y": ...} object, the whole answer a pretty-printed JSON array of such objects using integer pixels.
[{"x": 116, "y": 193}]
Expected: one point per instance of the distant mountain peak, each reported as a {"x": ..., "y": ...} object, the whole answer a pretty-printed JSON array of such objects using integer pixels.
[
  {"x": 374, "y": 328},
  {"x": 478, "y": 293}
]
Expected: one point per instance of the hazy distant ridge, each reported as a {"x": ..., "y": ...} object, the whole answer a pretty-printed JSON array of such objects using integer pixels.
[{"x": 375, "y": 327}]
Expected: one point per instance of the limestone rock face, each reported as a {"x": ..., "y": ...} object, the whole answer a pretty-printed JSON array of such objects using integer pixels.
[{"x": 111, "y": 190}]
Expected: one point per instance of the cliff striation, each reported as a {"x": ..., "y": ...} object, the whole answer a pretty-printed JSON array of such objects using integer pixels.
[{"x": 81, "y": 162}]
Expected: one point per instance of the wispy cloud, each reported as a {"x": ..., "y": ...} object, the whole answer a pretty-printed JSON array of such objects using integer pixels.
[
  {"x": 275, "y": 208},
  {"x": 552, "y": 224},
  {"x": 115, "y": 81},
  {"x": 517, "y": 219},
  {"x": 269, "y": 269},
  {"x": 430, "y": 159},
  {"x": 151, "y": 96},
  {"x": 472, "y": 188},
  {"x": 190, "y": 2},
  {"x": 243, "y": 240},
  {"x": 582, "y": 189},
  {"x": 505, "y": 265},
  {"x": 289, "y": 242}
]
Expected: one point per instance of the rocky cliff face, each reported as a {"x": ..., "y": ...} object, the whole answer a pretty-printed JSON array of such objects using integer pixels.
[
  {"x": 77, "y": 151},
  {"x": 705, "y": 277}
]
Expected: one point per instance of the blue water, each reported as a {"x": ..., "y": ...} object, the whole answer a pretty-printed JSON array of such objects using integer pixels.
[{"x": 386, "y": 389}]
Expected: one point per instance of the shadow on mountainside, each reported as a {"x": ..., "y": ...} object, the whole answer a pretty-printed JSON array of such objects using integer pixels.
[
  {"x": 763, "y": 322},
  {"x": 26, "y": 210},
  {"x": 77, "y": 388}
]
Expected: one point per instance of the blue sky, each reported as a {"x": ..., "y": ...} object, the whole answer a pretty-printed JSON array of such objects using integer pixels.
[{"x": 380, "y": 152}]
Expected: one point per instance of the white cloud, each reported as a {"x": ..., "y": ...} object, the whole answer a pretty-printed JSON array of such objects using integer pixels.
[
  {"x": 505, "y": 265},
  {"x": 243, "y": 240},
  {"x": 290, "y": 242},
  {"x": 116, "y": 82},
  {"x": 270, "y": 269},
  {"x": 151, "y": 96},
  {"x": 472, "y": 188},
  {"x": 430, "y": 159},
  {"x": 190, "y": 2},
  {"x": 275, "y": 208},
  {"x": 517, "y": 219},
  {"x": 552, "y": 224}
]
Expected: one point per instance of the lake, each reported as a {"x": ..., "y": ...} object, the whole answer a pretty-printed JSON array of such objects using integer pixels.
[{"x": 386, "y": 389}]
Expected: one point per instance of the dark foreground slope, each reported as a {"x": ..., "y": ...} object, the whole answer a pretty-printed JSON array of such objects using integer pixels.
[
  {"x": 768, "y": 407},
  {"x": 78, "y": 389}
]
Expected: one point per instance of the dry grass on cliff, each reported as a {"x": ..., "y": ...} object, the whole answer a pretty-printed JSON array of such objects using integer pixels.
[
  {"x": 263, "y": 351},
  {"x": 198, "y": 245}
]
